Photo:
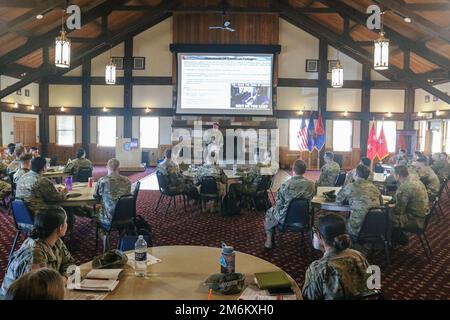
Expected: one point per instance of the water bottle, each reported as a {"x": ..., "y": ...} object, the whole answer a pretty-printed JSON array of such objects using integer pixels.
[
  {"x": 385, "y": 174},
  {"x": 140, "y": 257},
  {"x": 227, "y": 259},
  {"x": 69, "y": 183}
]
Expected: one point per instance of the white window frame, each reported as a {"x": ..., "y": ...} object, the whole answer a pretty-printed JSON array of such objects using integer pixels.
[
  {"x": 350, "y": 138},
  {"x": 58, "y": 117},
  {"x": 140, "y": 133},
  {"x": 98, "y": 131}
]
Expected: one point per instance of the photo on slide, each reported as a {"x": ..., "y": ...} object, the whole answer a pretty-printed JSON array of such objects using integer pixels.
[{"x": 248, "y": 95}]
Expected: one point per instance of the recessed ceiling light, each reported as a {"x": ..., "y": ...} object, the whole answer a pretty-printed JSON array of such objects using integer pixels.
[
  {"x": 430, "y": 80},
  {"x": 39, "y": 16}
]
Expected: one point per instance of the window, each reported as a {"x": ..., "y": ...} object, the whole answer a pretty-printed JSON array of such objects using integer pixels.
[
  {"x": 422, "y": 135},
  {"x": 390, "y": 132},
  {"x": 65, "y": 130},
  {"x": 342, "y": 135},
  {"x": 106, "y": 131},
  {"x": 436, "y": 137},
  {"x": 149, "y": 132},
  {"x": 294, "y": 127}
]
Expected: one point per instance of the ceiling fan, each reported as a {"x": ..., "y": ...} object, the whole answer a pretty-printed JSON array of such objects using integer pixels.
[{"x": 226, "y": 26}]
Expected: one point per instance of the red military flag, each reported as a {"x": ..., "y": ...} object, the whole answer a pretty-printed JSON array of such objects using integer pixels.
[
  {"x": 382, "y": 145},
  {"x": 372, "y": 143},
  {"x": 302, "y": 136},
  {"x": 320, "y": 133}
]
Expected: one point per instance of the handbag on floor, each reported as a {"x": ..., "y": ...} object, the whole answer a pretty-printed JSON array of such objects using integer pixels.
[{"x": 229, "y": 206}]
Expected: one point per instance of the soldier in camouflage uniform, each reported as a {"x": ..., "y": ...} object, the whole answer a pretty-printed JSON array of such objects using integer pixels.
[
  {"x": 171, "y": 171},
  {"x": 361, "y": 196},
  {"x": 10, "y": 154},
  {"x": 110, "y": 188},
  {"x": 329, "y": 172},
  {"x": 15, "y": 164},
  {"x": 80, "y": 162},
  {"x": 441, "y": 166},
  {"x": 297, "y": 187},
  {"x": 350, "y": 176},
  {"x": 37, "y": 191},
  {"x": 341, "y": 272},
  {"x": 428, "y": 178},
  {"x": 211, "y": 169},
  {"x": 411, "y": 205},
  {"x": 25, "y": 166},
  {"x": 44, "y": 248},
  {"x": 401, "y": 158}
]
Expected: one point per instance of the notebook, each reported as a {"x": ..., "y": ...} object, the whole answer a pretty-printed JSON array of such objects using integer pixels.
[
  {"x": 272, "y": 280},
  {"x": 101, "y": 280}
]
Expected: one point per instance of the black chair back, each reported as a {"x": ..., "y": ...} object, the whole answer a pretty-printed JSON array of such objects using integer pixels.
[
  {"x": 125, "y": 209},
  {"x": 54, "y": 160},
  {"x": 84, "y": 174},
  {"x": 163, "y": 184},
  {"x": 208, "y": 186},
  {"x": 22, "y": 216},
  {"x": 13, "y": 184},
  {"x": 298, "y": 215},
  {"x": 340, "y": 179},
  {"x": 136, "y": 190},
  {"x": 431, "y": 213},
  {"x": 375, "y": 226}
]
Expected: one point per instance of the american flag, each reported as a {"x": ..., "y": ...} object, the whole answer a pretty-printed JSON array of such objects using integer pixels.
[{"x": 302, "y": 136}]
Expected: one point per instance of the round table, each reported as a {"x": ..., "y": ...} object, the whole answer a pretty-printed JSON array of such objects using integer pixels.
[{"x": 181, "y": 273}]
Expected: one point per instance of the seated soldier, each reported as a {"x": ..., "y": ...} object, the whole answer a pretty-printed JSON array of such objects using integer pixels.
[
  {"x": 329, "y": 172},
  {"x": 441, "y": 166},
  {"x": 350, "y": 176},
  {"x": 25, "y": 166},
  {"x": 15, "y": 164},
  {"x": 297, "y": 187},
  {"x": 411, "y": 205},
  {"x": 428, "y": 178},
  {"x": 37, "y": 191},
  {"x": 361, "y": 196},
  {"x": 109, "y": 189},
  {"x": 401, "y": 158},
  {"x": 211, "y": 169},
  {"x": 34, "y": 152},
  {"x": 80, "y": 162},
  {"x": 44, "y": 247},
  {"x": 342, "y": 272},
  {"x": 10, "y": 154},
  {"x": 171, "y": 171}
]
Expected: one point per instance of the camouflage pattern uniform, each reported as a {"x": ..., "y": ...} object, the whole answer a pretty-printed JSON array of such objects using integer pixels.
[
  {"x": 361, "y": 196},
  {"x": 5, "y": 189},
  {"x": 73, "y": 166},
  {"x": 171, "y": 170},
  {"x": 431, "y": 182},
  {"x": 36, "y": 252},
  {"x": 19, "y": 173},
  {"x": 212, "y": 170},
  {"x": 3, "y": 167},
  {"x": 38, "y": 192},
  {"x": 411, "y": 204},
  {"x": 110, "y": 188},
  {"x": 337, "y": 275},
  {"x": 297, "y": 187},
  {"x": 442, "y": 169},
  {"x": 401, "y": 160},
  {"x": 250, "y": 180},
  {"x": 328, "y": 174},
  {"x": 13, "y": 166}
]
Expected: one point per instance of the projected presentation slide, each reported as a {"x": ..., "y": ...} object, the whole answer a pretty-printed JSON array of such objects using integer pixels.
[{"x": 225, "y": 84}]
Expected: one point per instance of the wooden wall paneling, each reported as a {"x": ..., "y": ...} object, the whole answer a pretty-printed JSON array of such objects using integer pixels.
[
  {"x": 63, "y": 153},
  {"x": 101, "y": 155}
]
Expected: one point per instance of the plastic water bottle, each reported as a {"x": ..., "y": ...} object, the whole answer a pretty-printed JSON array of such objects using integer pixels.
[
  {"x": 385, "y": 174},
  {"x": 140, "y": 257},
  {"x": 227, "y": 259},
  {"x": 69, "y": 183}
]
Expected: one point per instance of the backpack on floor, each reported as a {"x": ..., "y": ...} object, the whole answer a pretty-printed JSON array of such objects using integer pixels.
[
  {"x": 229, "y": 206},
  {"x": 142, "y": 227},
  {"x": 262, "y": 202}
]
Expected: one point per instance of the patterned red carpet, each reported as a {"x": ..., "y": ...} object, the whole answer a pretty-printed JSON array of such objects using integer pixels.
[{"x": 408, "y": 277}]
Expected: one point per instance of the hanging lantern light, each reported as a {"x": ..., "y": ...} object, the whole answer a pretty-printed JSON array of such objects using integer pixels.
[
  {"x": 110, "y": 71},
  {"x": 337, "y": 75},
  {"x": 62, "y": 48},
  {"x": 381, "y": 51}
]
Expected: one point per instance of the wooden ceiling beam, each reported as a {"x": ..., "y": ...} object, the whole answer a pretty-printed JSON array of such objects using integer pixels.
[
  {"x": 48, "y": 38},
  {"x": 229, "y": 10},
  {"x": 23, "y": 3},
  {"x": 350, "y": 48},
  {"x": 424, "y": 24},
  {"x": 428, "y": 6},
  {"x": 160, "y": 13},
  {"x": 403, "y": 42}
]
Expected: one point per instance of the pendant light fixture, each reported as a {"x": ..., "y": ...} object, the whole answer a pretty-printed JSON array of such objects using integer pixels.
[
  {"x": 110, "y": 71},
  {"x": 337, "y": 74},
  {"x": 381, "y": 50},
  {"x": 62, "y": 47}
]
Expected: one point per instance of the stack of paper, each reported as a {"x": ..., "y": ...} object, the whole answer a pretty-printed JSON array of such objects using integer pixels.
[{"x": 101, "y": 280}]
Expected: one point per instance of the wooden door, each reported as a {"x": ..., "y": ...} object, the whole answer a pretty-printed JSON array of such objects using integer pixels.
[{"x": 25, "y": 131}]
